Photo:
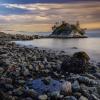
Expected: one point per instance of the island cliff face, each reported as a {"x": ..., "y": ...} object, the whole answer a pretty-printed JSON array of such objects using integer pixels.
[{"x": 67, "y": 30}]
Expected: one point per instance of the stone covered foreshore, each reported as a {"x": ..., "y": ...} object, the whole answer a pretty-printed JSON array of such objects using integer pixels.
[
  {"x": 11, "y": 37},
  {"x": 40, "y": 74}
]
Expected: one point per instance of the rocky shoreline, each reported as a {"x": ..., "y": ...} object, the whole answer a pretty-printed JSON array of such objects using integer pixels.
[
  {"x": 40, "y": 74},
  {"x": 63, "y": 37},
  {"x": 11, "y": 37}
]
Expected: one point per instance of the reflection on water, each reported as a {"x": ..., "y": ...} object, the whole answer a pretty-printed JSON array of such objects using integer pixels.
[{"x": 90, "y": 45}]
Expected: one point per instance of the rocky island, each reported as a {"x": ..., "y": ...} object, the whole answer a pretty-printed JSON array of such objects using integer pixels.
[{"x": 66, "y": 30}]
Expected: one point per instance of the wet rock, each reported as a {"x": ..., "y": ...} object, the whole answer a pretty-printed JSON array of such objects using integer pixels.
[
  {"x": 31, "y": 93},
  {"x": 75, "y": 86},
  {"x": 70, "y": 98},
  {"x": 97, "y": 75},
  {"x": 83, "y": 98},
  {"x": 84, "y": 90},
  {"x": 93, "y": 90},
  {"x": 47, "y": 65},
  {"x": 76, "y": 64},
  {"x": 18, "y": 92},
  {"x": 56, "y": 96},
  {"x": 72, "y": 65},
  {"x": 21, "y": 82},
  {"x": 77, "y": 94},
  {"x": 93, "y": 97},
  {"x": 28, "y": 98},
  {"x": 90, "y": 76},
  {"x": 30, "y": 67},
  {"x": 29, "y": 84},
  {"x": 55, "y": 74},
  {"x": 9, "y": 92},
  {"x": 1, "y": 71},
  {"x": 9, "y": 87},
  {"x": 6, "y": 80},
  {"x": 26, "y": 72},
  {"x": 41, "y": 88},
  {"x": 41, "y": 66},
  {"x": 82, "y": 55},
  {"x": 87, "y": 91},
  {"x": 98, "y": 89},
  {"x": 93, "y": 69},
  {"x": 98, "y": 64},
  {"x": 66, "y": 88},
  {"x": 3, "y": 64},
  {"x": 43, "y": 97},
  {"x": 45, "y": 72},
  {"x": 87, "y": 81},
  {"x": 46, "y": 80}
]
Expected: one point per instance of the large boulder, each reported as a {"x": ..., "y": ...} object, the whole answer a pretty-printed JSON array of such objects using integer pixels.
[
  {"x": 78, "y": 63},
  {"x": 82, "y": 55}
]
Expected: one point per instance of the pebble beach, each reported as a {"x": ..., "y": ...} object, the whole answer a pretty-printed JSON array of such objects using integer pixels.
[{"x": 40, "y": 74}]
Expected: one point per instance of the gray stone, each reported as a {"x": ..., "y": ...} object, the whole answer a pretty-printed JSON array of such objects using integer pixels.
[
  {"x": 93, "y": 97},
  {"x": 21, "y": 82},
  {"x": 46, "y": 80},
  {"x": 75, "y": 86},
  {"x": 90, "y": 76},
  {"x": 18, "y": 92},
  {"x": 66, "y": 88},
  {"x": 43, "y": 97},
  {"x": 97, "y": 75},
  {"x": 28, "y": 98},
  {"x": 98, "y": 89},
  {"x": 77, "y": 94},
  {"x": 70, "y": 98},
  {"x": 56, "y": 95},
  {"x": 9, "y": 87},
  {"x": 32, "y": 93},
  {"x": 83, "y": 98},
  {"x": 87, "y": 81},
  {"x": 84, "y": 90}
]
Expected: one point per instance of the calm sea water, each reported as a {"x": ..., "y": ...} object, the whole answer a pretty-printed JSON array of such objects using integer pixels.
[{"x": 90, "y": 45}]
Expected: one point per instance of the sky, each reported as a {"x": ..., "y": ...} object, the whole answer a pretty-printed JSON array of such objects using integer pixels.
[{"x": 40, "y": 15}]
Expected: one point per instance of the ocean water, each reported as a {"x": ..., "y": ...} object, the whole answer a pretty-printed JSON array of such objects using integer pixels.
[{"x": 91, "y": 45}]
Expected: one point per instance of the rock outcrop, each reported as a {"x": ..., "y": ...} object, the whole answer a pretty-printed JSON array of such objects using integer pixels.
[
  {"x": 66, "y": 29},
  {"x": 76, "y": 64}
]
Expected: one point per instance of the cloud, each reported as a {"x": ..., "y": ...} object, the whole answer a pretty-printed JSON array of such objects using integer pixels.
[
  {"x": 25, "y": 6},
  {"x": 47, "y": 6},
  {"x": 42, "y": 1},
  {"x": 22, "y": 19},
  {"x": 46, "y": 13}
]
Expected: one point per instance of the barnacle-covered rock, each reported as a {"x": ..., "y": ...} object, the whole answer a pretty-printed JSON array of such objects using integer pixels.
[
  {"x": 78, "y": 63},
  {"x": 82, "y": 55}
]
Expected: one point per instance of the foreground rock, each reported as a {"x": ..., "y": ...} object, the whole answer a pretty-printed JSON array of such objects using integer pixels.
[{"x": 78, "y": 63}]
